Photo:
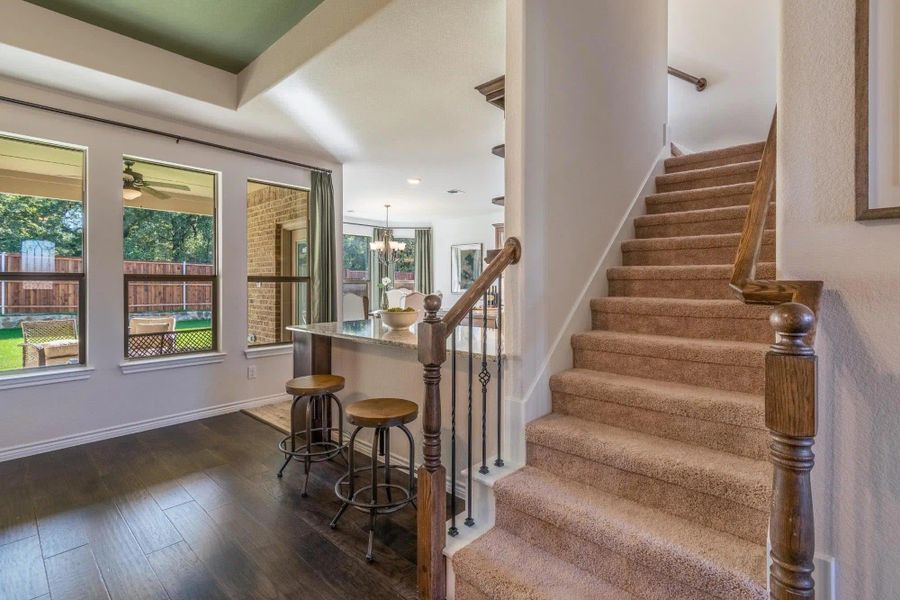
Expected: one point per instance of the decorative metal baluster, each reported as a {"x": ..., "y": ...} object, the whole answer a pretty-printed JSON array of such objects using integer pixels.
[
  {"x": 484, "y": 377},
  {"x": 469, "y": 520},
  {"x": 499, "y": 303},
  {"x": 453, "y": 531}
]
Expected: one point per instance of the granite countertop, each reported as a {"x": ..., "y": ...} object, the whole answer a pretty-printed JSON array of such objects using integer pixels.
[{"x": 372, "y": 331}]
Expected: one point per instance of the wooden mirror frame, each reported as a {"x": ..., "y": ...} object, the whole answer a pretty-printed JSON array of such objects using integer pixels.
[{"x": 863, "y": 211}]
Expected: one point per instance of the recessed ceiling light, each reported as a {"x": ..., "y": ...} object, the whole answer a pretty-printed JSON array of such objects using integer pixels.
[
  {"x": 454, "y": 191},
  {"x": 413, "y": 181},
  {"x": 351, "y": 211}
]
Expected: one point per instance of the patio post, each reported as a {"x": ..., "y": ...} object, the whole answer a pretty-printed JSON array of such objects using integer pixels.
[
  {"x": 184, "y": 286},
  {"x": 2, "y": 284}
]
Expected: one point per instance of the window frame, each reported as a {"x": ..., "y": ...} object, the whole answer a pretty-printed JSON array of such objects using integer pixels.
[
  {"x": 54, "y": 276},
  {"x": 280, "y": 280},
  {"x": 215, "y": 305}
]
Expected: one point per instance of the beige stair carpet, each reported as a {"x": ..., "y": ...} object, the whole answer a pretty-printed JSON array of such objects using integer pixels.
[{"x": 650, "y": 479}]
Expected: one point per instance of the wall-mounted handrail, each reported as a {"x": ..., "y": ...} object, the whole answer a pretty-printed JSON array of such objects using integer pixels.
[
  {"x": 699, "y": 83},
  {"x": 790, "y": 393},
  {"x": 432, "y": 487}
]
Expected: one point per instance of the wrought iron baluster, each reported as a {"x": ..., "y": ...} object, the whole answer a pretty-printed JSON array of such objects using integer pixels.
[
  {"x": 469, "y": 520},
  {"x": 484, "y": 377},
  {"x": 453, "y": 531},
  {"x": 499, "y": 302}
]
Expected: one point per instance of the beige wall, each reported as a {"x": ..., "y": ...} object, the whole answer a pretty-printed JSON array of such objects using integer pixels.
[
  {"x": 857, "y": 477},
  {"x": 585, "y": 111},
  {"x": 268, "y": 209}
]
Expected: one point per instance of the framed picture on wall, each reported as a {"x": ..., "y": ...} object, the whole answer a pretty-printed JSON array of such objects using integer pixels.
[
  {"x": 466, "y": 261},
  {"x": 877, "y": 109}
]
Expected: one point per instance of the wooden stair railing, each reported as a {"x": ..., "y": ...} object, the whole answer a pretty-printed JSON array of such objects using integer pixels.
[
  {"x": 790, "y": 396},
  {"x": 433, "y": 333}
]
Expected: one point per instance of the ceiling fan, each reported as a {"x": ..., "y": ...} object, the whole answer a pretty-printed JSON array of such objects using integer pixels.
[{"x": 133, "y": 184}]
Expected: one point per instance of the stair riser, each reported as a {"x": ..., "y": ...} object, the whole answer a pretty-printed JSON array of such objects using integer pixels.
[
  {"x": 710, "y": 328},
  {"x": 743, "y": 441},
  {"x": 720, "y": 255},
  {"x": 714, "y": 162},
  {"x": 704, "y": 509},
  {"x": 664, "y": 184},
  {"x": 732, "y": 377},
  {"x": 720, "y": 226},
  {"x": 657, "y": 207},
  {"x": 464, "y": 591},
  {"x": 699, "y": 289},
  {"x": 628, "y": 574}
]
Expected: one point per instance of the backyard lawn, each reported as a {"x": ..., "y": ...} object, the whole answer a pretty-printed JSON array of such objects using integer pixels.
[{"x": 11, "y": 352}]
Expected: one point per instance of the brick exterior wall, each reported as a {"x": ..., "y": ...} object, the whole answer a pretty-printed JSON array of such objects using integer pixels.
[{"x": 268, "y": 209}]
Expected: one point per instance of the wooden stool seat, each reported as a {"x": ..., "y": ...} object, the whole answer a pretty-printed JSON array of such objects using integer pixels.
[
  {"x": 312, "y": 385},
  {"x": 382, "y": 412}
]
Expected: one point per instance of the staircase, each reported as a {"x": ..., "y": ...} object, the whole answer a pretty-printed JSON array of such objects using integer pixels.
[{"x": 650, "y": 478}]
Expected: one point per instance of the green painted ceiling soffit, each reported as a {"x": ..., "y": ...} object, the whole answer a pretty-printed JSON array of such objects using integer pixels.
[{"x": 227, "y": 34}]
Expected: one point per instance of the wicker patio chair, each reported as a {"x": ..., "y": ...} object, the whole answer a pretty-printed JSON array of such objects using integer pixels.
[
  {"x": 142, "y": 344},
  {"x": 49, "y": 342}
]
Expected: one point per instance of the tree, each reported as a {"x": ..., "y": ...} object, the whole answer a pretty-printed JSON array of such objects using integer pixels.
[
  {"x": 155, "y": 235},
  {"x": 356, "y": 252},
  {"x": 36, "y": 218}
]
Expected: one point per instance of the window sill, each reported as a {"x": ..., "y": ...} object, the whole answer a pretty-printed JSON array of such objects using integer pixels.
[
  {"x": 264, "y": 351},
  {"x": 45, "y": 377},
  {"x": 174, "y": 362}
]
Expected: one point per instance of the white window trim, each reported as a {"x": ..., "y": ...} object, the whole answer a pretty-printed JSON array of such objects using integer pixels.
[
  {"x": 45, "y": 376},
  {"x": 264, "y": 351},
  {"x": 173, "y": 362}
]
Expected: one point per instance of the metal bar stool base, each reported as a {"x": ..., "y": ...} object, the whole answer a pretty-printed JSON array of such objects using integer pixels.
[{"x": 299, "y": 445}]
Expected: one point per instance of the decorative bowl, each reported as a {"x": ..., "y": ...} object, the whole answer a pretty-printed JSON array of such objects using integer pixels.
[{"x": 397, "y": 320}]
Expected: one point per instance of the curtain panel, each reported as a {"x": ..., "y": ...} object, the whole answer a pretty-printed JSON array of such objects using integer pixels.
[
  {"x": 322, "y": 243},
  {"x": 424, "y": 261}
]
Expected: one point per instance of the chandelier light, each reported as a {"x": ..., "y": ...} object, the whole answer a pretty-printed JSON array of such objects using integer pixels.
[{"x": 386, "y": 247}]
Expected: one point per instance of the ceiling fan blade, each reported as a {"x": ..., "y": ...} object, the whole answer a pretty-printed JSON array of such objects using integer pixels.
[
  {"x": 163, "y": 184},
  {"x": 155, "y": 193}
]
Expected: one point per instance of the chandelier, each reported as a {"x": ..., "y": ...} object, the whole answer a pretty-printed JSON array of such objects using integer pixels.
[{"x": 386, "y": 247}]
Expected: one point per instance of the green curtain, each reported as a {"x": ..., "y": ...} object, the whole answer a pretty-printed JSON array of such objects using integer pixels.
[
  {"x": 376, "y": 271},
  {"x": 424, "y": 273},
  {"x": 322, "y": 241}
]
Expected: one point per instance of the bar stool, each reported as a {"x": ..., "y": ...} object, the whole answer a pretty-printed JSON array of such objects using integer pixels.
[
  {"x": 382, "y": 414},
  {"x": 318, "y": 390}
]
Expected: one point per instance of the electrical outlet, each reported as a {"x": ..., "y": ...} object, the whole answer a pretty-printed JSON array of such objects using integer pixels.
[{"x": 251, "y": 372}]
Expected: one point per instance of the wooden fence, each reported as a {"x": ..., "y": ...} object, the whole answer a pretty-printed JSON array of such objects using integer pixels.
[{"x": 62, "y": 297}]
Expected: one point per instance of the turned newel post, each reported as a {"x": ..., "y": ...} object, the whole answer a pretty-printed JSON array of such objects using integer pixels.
[
  {"x": 791, "y": 420},
  {"x": 432, "y": 493}
]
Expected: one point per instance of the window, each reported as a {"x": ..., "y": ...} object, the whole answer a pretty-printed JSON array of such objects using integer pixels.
[
  {"x": 169, "y": 237},
  {"x": 278, "y": 261},
  {"x": 405, "y": 267},
  {"x": 42, "y": 275},
  {"x": 356, "y": 264}
]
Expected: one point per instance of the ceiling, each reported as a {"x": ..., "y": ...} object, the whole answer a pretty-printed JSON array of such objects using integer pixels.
[
  {"x": 390, "y": 95},
  {"x": 226, "y": 34}
]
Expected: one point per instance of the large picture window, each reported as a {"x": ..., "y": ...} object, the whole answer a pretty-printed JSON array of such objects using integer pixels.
[
  {"x": 278, "y": 262},
  {"x": 405, "y": 268},
  {"x": 356, "y": 264},
  {"x": 169, "y": 237},
  {"x": 42, "y": 274}
]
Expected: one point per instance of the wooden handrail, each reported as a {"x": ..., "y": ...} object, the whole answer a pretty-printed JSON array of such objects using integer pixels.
[
  {"x": 700, "y": 83},
  {"x": 790, "y": 392},
  {"x": 432, "y": 486},
  {"x": 509, "y": 255},
  {"x": 743, "y": 278}
]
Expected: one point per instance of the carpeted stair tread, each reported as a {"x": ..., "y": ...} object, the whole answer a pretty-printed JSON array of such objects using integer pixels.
[
  {"x": 677, "y": 281},
  {"x": 692, "y": 249},
  {"x": 502, "y": 566},
  {"x": 728, "y": 219},
  {"x": 744, "y": 172},
  {"x": 722, "y": 352},
  {"x": 711, "y": 561},
  {"x": 721, "y": 196},
  {"x": 702, "y": 403},
  {"x": 720, "y": 319},
  {"x": 711, "y": 158}
]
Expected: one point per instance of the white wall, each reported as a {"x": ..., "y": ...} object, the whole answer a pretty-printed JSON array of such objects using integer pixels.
[
  {"x": 462, "y": 230},
  {"x": 857, "y": 476},
  {"x": 733, "y": 43},
  {"x": 110, "y": 400},
  {"x": 585, "y": 108}
]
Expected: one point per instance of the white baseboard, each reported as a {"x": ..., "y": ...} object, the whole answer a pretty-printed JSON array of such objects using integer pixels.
[
  {"x": 824, "y": 574},
  {"x": 23, "y": 450}
]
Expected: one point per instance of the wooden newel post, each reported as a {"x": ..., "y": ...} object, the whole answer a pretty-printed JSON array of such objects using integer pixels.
[
  {"x": 432, "y": 493},
  {"x": 791, "y": 420}
]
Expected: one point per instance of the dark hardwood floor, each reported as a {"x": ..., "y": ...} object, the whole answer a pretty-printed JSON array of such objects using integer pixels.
[{"x": 190, "y": 511}]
